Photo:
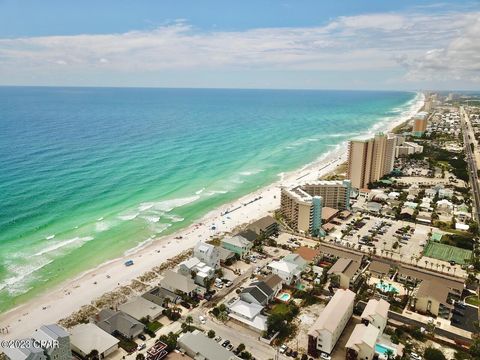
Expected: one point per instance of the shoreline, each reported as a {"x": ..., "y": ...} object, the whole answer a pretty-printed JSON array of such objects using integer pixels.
[{"x": 70, "y": 296}]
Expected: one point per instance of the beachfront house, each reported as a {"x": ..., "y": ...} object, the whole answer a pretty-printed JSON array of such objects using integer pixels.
[
  {"x": 325, "y": 332},
  {"x": 208, "y": 254},
  {"x": 117, "y": 322},
  {"x": 140, "y": 308},
  {"x": 87, "y": 337},
  {"x": 24, "y": 353},
  {"x": 58, "y": 341},
  {"x": 198, "y": 270},
  {"x": 237, "y": 244},
  {"x": 266, "y": 226},
  {"x": 176, "y": 282},
  {"x": 361, "y": 344}
]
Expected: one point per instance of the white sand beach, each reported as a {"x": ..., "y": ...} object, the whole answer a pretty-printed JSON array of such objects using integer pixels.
[{"x": 60, "y": 302}]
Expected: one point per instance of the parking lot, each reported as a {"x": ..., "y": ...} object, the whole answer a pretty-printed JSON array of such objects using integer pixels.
[{"x": 465, "y": 317}]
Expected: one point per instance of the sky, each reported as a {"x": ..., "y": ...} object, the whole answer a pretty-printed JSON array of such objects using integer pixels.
[{"x": 292, "y": 44}]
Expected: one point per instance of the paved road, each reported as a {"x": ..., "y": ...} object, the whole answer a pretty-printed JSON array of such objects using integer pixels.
[{"x": 471, "y": 161}]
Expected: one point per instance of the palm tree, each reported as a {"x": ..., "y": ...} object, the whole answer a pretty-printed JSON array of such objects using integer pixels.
[
  {"x": 443, "y": 267},
  {"x": 140, "y": 357},
  {"x": 389, "y": 354},
  {"x": 188, "y": 320},
  {"x": 166, "y": 302},
  {"x": 412, "y": 258},
  {"x": 448, "y": 268},
  {"x": 426, "y": 263}
]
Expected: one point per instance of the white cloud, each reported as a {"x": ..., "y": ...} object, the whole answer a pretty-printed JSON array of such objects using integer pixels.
[{"x": 427, "y": 46}]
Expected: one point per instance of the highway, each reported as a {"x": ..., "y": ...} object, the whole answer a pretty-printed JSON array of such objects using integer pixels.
[{"x": 471, "y": 161}]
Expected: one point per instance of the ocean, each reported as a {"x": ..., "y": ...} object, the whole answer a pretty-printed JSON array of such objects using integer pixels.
[{"x": 88, "y": 174}]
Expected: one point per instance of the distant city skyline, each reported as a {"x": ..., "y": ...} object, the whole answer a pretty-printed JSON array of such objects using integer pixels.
[{"x": 252, "y": 44}]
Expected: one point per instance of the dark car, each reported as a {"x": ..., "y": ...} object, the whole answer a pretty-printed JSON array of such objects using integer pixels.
[
  {"x": 460, "y": 305},
  {"x": 185, "y": 304},
  {"x": 142, "y": 337},
  {"x": 458, "y": 312},
  {"x": 225, "y": 343},
  {"x": 454, "y": 320}
]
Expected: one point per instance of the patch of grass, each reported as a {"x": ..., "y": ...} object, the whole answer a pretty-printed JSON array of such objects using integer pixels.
[
  {"x": 280, "y": 309},
  {"x": 154, "y": 326},
  {"x": 447, "y": 252},
  {"x": 473, "y": 300},
  {"x": 126, "y": 344}
]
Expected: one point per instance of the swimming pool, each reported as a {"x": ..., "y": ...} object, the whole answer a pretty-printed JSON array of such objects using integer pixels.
[
  {"x": 382, "y": 349},
  {"x": 387, "y": 287},
  {"x": 284, "y": 297}
]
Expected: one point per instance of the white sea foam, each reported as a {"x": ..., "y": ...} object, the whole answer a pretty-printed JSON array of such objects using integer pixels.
[
  {"x": 152, "y": 219},
  {"x": 100, "y": 218},
  {"x": 161, "y": 228},
  {"x": 128, "y": 217},
  {"x": 139, "y": 246},
  {"x": 169, "y": 205},
  {"x": 61, "y": 244},
  {"x": 173, "y": 217},
  {"x": 50, "y": 237},
  {"x": 216, "y": 192},
  {"x": 200, "y": 191},
  {"x": 145, "y": 206},
  {"x": 16, "y": 284},
  {"x": 102, "y": 226}
]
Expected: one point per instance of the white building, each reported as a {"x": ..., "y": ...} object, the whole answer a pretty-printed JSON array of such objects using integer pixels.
[
  {"x": 24, "y": 353},
  {"x": 208, "y": 254},
  {"x": 87, "y": 337},
  {"x": 289, "y": 268},
  {"x": 325, "y": 332},
  {"x": 55, "y": 340},
  {"x": 140, "y": 308},
  {"x": 376, "y": 313},
  {"x": 201, "y": 270},
  {"x": 249, "y": 314},
  {"x": 361, "y": 344}
]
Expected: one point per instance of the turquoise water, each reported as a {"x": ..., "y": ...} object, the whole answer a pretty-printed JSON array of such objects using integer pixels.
[
  {"x": 387, "y": 287},
  {"x": 284, "y": 297},
  {"x": 382, "y": 349},
  {"x": 89, "y": 173}
]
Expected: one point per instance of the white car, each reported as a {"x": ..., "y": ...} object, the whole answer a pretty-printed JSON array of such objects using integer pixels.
[
  {"x": 202, "y": 319},
  {"x": 325, "y": 356},
  {"x": 283, "y": 348},
  {"x": 141, "y": 347},
  {"x": 229, "y": 283},
  {"x": 219, "y": 285},
  {"x": 415, "y": 356}
]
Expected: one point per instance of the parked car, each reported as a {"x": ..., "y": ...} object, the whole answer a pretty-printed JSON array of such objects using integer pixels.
[
  {"x": 141, "y": 346},
  {"x": 460, "y": 305},
  {"x": 230, "y": 347},
  {"x": 185, "y": 304},
  {"x": 415, "y": 356},
  {"x": 228, "y": 283},
  {"x": 142, "y": 337},
  {"x": 325, "y": 356},
  {"x": 202, "y": 319},
  {"x": 226, "y": 343},
  {"x": 218, "y": 339},
  {"x": 283, "y": 348}
]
